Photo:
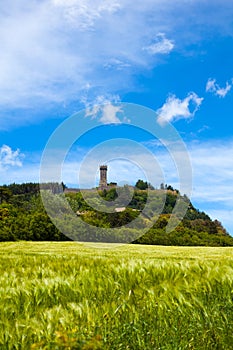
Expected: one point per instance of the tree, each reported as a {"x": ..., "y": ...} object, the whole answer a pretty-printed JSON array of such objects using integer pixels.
[
  {"x": 5, "y": 194},
  {"x": 41, "y": 228},
  {"x": 141, "y": 185}
]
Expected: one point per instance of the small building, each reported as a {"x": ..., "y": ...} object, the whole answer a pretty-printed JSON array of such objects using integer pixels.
[{"x": 120, "y": 210}]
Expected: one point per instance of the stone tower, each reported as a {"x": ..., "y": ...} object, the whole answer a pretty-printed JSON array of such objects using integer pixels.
[{"x": 103, "y": 176}]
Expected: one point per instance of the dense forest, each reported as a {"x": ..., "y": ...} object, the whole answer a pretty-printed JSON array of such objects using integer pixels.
[{"x": 23, "y": 216}]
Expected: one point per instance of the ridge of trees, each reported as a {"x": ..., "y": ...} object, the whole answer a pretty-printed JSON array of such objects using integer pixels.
[{"x": 23, "y": 217}]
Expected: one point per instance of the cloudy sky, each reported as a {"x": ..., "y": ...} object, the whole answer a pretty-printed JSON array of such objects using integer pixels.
[{"x": 59, "y": 57}]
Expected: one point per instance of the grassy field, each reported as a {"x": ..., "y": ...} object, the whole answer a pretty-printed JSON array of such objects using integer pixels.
[{"x": 74, "y": 296}]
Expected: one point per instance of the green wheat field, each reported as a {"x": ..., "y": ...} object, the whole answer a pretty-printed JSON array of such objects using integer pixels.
[{"x": 78, "y": 296}]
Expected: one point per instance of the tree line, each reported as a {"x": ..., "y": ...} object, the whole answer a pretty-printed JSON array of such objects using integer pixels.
[{"x": 23, "y": 217}]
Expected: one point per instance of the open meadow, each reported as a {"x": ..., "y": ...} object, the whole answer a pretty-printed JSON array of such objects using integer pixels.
[{"x": 77, "y": 296}]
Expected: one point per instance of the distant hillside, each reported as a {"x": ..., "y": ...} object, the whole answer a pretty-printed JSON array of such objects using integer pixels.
[{"x": 23, "y": 217}]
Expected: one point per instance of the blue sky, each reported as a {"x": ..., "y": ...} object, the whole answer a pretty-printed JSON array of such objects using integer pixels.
[{"x": 59, "y": 57}]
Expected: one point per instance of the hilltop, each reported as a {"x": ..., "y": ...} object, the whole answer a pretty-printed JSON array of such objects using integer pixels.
[{"x": 23, "y": 217}]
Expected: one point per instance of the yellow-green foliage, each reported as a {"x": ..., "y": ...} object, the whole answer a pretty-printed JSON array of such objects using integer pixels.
[{"x": 74, "y": 296}]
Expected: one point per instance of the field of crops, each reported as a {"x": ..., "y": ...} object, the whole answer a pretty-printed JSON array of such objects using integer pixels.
[{"x": 74, "y": 296}]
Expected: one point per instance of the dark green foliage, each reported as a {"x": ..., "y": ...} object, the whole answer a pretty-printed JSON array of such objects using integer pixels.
[
  {"x": 5, "y": 194},
  {"x": 139, "y": 200},
  {"x": 196, "y": 232},
  {"x": 23, "y": 217},
  {"x": 170, "y": 202},
  {"x": 141, "y": 185},
  {"x": 109, "y": 195},
  {"x": 24, "y": 188}
]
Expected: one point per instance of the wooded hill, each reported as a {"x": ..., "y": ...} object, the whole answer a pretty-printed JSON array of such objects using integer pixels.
[{"x": 23, "y": 217}]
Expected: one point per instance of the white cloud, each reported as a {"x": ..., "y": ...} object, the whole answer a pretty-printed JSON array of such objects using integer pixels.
[
  {"x": 117, "y": 64},
  {"x": 10, "y": 158},
  {"x": 162, "y": 45},
  {"x": 106, "y": 108},
  {"x": 51, "y": 49},
  {"x": 85, "y": 13},
  {"x": 212, "y": 86},
  {"x": 175, "y": 109},
  {"x": 109, "y": 114}
]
